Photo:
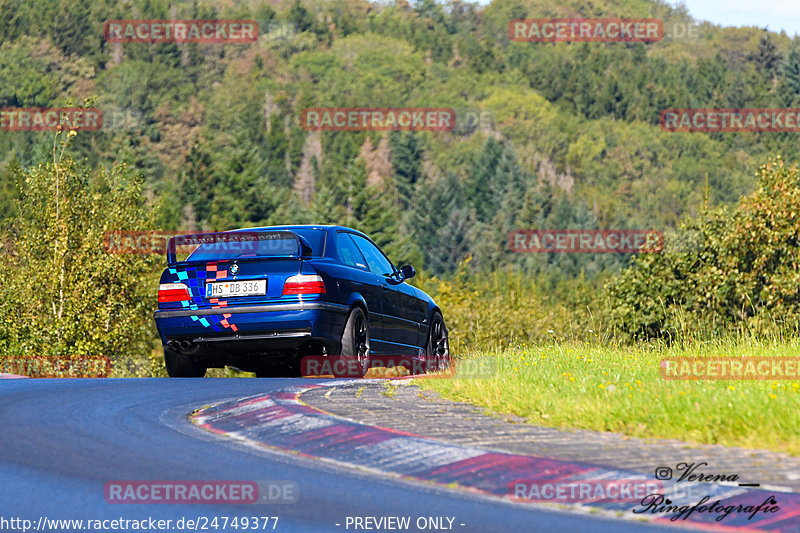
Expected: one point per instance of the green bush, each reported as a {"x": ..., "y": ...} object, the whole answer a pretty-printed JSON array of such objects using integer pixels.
[
  {"x": 728, "y": 271},
  {"x": 497, "y": 310},
  {"x": 62, "y": 294}
]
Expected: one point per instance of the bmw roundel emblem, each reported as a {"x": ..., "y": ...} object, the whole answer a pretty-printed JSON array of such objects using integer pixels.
[{"x": 234, "y": 269}]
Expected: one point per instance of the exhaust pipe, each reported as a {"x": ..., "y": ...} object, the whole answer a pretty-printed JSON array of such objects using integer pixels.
[{"x": 182, "y": 345}]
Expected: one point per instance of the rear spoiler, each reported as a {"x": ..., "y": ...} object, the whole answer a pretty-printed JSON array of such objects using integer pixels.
[{"x": 198, "y": 239}]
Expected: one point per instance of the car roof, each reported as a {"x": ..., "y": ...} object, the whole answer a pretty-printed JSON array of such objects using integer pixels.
[{"x": 326, "y": 227}]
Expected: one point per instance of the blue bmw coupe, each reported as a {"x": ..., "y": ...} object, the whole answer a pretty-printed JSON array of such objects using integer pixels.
[{"x": 263, "y": 299}]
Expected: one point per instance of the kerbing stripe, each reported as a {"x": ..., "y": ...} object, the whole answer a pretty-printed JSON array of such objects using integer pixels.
[
  {"x": 246, "y": 408},
  {"x": 288, "y": 425},
  {"x": 409, "y": 456},
  {"x": 284, "y": 422}
]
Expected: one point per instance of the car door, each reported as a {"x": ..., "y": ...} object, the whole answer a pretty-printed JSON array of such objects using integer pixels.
[
  {"x": 401, "y": 324},
  {"x": 356, "y": 277}
]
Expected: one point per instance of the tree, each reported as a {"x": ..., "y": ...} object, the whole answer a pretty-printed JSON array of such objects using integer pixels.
[
  {"x": 407, "y": 153},
  {"x": 789, "y": 88},
  {"x": 301, "y": 17},
  {"x": 430, "y": 9},
  {"x": 195, "y": 185},
  {"x": 9, "y": 188},
  {"x": 440, "y": 223},
  {"x": 481, "y": 185},
  {"x": 725, "y": 271},
  {"x": 63, "y": 294},
  {"x": 767, "y": 57}
]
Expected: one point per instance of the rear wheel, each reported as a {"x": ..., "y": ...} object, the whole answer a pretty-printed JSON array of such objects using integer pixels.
[
  {"x": 354, "y": 356},
  {"x": 182, "y": 366},
  {"x": 437, "y": 351}
]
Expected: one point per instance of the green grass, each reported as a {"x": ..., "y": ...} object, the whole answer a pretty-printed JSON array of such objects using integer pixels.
[{"x": 620, "y": 388}]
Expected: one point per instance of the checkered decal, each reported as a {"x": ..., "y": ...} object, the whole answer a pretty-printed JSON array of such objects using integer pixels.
[{"x": 195, "y": 278}]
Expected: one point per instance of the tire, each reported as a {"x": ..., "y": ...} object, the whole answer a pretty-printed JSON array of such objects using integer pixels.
[
  {"x": 437, "y": 349},
  {"x": 354, "y": 354},
  {"x": 182, "y": 366}
]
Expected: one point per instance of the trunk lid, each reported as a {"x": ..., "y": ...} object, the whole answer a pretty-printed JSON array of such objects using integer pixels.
[{"x": 230, "y": 269}]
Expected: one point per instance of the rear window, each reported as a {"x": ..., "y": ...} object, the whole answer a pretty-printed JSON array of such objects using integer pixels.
[
  {"x": 253, "y": 244},
  {"x": 247, "y": 243}
]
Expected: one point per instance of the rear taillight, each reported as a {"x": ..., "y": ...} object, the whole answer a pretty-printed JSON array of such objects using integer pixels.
[
  {"x": 173, "y": 292},
  {"x": 304, "y": 284}
]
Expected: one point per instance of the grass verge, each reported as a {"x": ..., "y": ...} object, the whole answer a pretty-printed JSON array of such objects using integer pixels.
[{"x": 620, "y": 389}]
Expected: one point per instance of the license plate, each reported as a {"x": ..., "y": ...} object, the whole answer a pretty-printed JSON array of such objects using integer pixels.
[{"x": 228, "y": 289}]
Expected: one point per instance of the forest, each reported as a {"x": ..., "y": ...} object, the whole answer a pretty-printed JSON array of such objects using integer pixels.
[{"x": 210, "y": 137}]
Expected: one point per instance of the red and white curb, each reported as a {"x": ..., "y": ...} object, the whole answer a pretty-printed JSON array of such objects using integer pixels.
[
  {"x": 281, "y": 421},
  {"x": 11, "y": 376}
]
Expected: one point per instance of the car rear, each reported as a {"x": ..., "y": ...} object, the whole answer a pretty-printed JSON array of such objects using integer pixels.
[{"x": 248, "y": 297}]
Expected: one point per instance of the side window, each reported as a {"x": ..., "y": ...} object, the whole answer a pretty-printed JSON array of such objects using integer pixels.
[
  {"x": 348, "y": 251},
  {"x": 375, "y": 259}
]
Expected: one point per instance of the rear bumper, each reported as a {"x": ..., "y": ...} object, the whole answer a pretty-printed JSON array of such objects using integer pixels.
[
  {"x": 268, "y": 308},
  {"x": 254, "y": 328}
]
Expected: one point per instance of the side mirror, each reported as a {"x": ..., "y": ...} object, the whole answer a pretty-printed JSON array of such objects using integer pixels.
[{"x": 407, "y": 272}]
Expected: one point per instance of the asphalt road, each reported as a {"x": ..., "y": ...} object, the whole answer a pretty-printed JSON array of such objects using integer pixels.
[{"x": 61, "y": 441}]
